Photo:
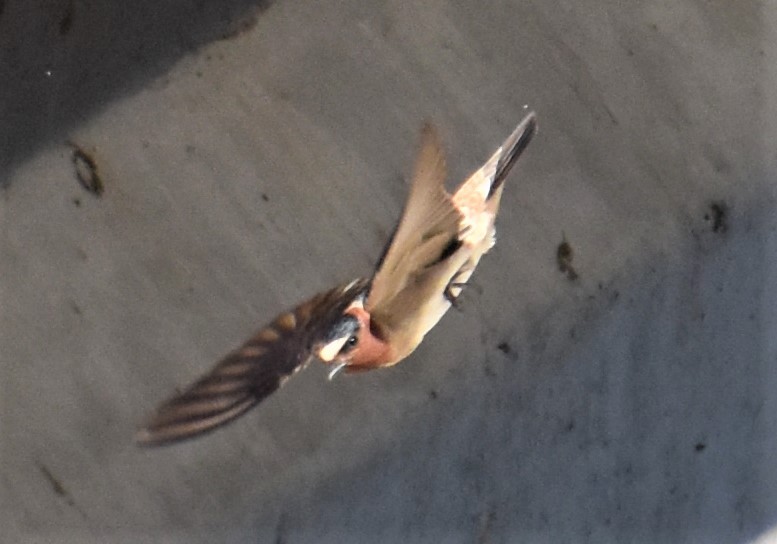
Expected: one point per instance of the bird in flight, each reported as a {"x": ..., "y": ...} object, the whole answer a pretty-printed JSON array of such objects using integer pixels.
[{"x": 366, "y": 323}]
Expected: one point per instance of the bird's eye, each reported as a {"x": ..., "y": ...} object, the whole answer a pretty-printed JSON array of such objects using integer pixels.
[{"x": 349, "y": 344}]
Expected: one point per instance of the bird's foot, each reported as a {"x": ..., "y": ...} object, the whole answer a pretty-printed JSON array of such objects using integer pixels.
[{"x": 452, "y": 298}]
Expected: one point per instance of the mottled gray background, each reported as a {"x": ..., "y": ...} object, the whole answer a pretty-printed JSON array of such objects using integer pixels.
[{"x": 254, "y": 153}]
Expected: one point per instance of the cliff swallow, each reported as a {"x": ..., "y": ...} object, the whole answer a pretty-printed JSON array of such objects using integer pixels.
[{"x": 367, "y": 323}]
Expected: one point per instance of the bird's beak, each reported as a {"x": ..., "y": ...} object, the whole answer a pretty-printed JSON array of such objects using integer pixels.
[{"x": 336, "y": 370}]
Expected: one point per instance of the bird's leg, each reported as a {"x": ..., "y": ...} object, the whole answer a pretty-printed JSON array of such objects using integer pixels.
[
  {"x": 450, "y": 297},
  {"x": 453, "y": 284}
]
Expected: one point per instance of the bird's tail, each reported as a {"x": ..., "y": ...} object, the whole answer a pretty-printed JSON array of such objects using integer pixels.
[{"x": 505, "y": 157}]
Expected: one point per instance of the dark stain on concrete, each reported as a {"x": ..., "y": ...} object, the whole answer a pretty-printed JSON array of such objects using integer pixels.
[{"x": 87, "y": 173}]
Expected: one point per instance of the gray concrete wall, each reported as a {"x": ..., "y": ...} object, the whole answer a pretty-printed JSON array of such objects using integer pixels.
[{"x": 254, "y": 153}]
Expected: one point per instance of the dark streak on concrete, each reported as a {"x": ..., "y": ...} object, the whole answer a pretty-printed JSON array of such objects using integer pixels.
[
  {"x": 59, "y": 488},
  {"x": 66, "y": 23},
  {"x": 564, "y": 255},
  {"x": 56, "y": 485},
  {"x": 86, "y": 171},
  {"x": 718, "y": 214}
]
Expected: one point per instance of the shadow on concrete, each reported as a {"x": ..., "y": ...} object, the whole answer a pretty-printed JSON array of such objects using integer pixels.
[
  {"x": 61, "y": 61},
  {"x": 632, "y": 423}
]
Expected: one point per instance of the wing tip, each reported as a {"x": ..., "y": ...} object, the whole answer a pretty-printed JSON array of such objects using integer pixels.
[
  {"x": 144, "y": 438},
  {"x": 430, "y": 137},
  {"x": 161, "y": 433}
]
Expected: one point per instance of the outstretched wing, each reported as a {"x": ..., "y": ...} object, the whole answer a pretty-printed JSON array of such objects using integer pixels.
[
  {"x": 428, "y": 224},
  {"x": 249, "y": 374}
]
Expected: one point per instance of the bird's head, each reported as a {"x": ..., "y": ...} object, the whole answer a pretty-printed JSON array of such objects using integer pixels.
[{"x": 355, "y": 342}]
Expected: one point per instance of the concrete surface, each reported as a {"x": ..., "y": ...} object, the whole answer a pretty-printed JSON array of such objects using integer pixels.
[{"x": 254, "y": 153}]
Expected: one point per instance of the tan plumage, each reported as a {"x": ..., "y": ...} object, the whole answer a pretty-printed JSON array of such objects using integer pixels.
[
  {"x": 365, "y": 324},
  {"x": 438, "y": 243}
]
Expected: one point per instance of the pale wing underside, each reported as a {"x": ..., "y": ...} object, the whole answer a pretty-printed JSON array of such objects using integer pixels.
[
  {"x": 428, "y": 224},
  {"x": 248, "y": 375}
]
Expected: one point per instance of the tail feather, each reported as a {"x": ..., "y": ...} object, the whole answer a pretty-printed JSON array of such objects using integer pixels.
[{"x": 511, "y": 149}]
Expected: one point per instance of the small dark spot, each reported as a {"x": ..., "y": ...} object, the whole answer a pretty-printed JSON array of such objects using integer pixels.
[
  {"x": 600, "y": 286},
  {"x": 700, "y": 446},
  {"x": 504, "y": 347},
  {"x": 717, "y": 214},
  {"x": 86, "y": 171},
  {"x": 570, "y": 426},
  {"x": 616, "y": 294},
  {"x": 630, "y": 52},
  {"x": 55, "y": 484},
  {"x": 488, "y": 371},
  {"x": 720, "y": 164},
  {"x": 386, "y": 27},
  {"x": 564, "y": 255},
  {"x": 654, "y": 26},
  {"x": 66, "y": 23},
  {"x": 76, "y": 308},
  {"x": 572, "y": 333},
  {"x": 198, "y": 73},
  {"x": 77, "y": 202},
  {"x": 145, "y": 144},
  {"x": 433, "y": 394},
  {"x": 265, "y": 197},
  {"x": 190, "y": 149}
]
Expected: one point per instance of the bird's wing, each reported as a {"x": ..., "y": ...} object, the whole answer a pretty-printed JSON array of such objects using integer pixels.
[
  {"x": 426, "y": 230},
  {"x": 249, "y": 374}
]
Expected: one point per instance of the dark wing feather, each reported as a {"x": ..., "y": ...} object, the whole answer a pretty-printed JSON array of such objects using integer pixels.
[{"x": 251, "y": 373}]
